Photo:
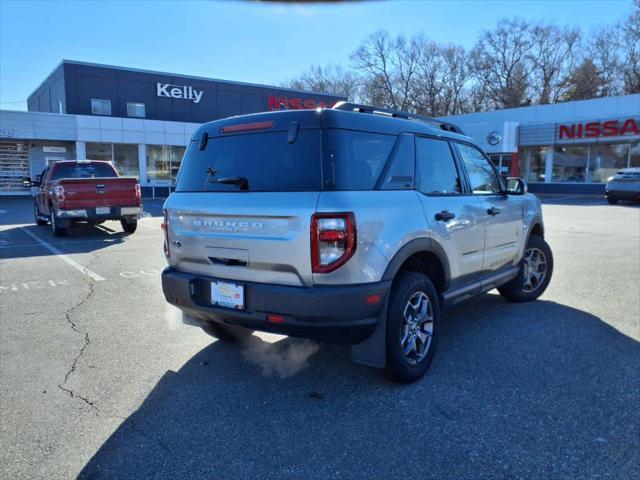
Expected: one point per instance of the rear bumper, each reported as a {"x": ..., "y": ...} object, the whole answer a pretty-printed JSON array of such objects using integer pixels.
[
  {"x": 114, "y": 213},
  {"x": 337, "y": 314}
]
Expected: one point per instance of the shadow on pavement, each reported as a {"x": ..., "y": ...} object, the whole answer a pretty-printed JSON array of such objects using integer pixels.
[{"x": 535, "y": 390}]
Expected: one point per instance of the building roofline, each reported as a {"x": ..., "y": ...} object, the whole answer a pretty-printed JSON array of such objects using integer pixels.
[{"x": 192, "y": 77}]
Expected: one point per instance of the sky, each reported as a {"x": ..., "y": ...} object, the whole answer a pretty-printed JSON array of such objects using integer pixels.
[{"x": 246, "y": 41}]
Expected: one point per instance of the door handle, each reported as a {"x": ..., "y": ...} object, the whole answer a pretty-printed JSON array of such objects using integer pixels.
[
  {"x": 445, "y": 215},
  {"x": 493, "y": 211}
]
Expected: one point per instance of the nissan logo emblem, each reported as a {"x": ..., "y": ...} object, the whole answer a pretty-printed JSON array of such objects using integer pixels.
[{"x": 494, "y": 138}]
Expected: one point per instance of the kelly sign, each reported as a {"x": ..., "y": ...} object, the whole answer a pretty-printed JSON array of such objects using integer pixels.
[
  {"x": 610, "y": 128},
  {"x": 183, "y": 92}
]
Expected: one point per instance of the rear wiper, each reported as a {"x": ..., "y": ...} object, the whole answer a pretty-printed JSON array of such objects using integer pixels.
[{"x": 242, "y": 181}]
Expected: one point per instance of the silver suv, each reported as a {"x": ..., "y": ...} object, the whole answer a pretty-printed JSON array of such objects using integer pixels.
[{"x": 348, "y": 225}]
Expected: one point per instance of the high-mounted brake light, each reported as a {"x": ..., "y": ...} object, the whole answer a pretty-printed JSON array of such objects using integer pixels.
[
  {"x": 333, "y": 240},
  {"x": 165, "y": 227},
  {"x": 246, "y": 127}
]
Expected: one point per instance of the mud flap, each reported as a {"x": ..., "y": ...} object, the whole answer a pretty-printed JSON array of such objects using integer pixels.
[{"x": 373, "y": 351}]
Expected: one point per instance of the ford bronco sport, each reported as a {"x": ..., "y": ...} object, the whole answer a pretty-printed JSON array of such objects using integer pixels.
[{"x": 352, "y": 225}]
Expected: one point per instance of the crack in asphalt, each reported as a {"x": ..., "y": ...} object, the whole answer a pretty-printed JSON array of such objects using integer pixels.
[{"x": 86, "y": 339}]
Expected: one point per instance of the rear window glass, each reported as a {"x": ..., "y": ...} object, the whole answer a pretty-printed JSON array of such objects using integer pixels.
[
  {"x": 354, "y": 160},
  {"x": 87, "y": 170},
  {"x": 267, "y": 161}
]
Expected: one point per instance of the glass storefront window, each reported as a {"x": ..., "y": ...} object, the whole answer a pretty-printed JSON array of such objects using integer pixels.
[
  {"x": 537, "y": 163},
  {"x": 605, "y": 160},
  {"x": 635, "y": 154},
  {"x": 99, "y": 151},
  {"x": 523, "y": 158},
  {"x": 176, "y": 159},
  {"x": 125, "y": 159},
  {"x": 163, "y": 162},
  {"x": 570, "y": 163}
]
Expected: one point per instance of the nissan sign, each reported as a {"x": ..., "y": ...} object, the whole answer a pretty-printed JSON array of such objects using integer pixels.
[
  {"x": 610, "y": 128},
  {"x": 182, "y": 92}
]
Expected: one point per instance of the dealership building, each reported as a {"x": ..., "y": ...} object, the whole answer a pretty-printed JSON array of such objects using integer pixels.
[{"x": 142, "y": 121}]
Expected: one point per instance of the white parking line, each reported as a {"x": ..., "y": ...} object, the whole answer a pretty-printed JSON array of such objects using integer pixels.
[{"x": 93, "y": 275}]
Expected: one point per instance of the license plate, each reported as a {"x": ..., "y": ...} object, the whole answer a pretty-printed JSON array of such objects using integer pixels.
[
  {"x": 228, "y": 295},
  {"x": 103, "y": 210}
]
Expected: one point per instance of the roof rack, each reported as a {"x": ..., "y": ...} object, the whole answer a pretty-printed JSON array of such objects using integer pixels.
[{"x": 355, "y": 107}]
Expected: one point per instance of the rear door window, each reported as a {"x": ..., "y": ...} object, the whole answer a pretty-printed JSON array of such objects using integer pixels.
[
  {"x": 437, "y": 172},
  {"x": 354, "y": 160},
  {"x": 267, "y": 161}
]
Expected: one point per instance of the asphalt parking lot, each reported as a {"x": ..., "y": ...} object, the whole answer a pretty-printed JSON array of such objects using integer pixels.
[{"x": 99, "y": 379}]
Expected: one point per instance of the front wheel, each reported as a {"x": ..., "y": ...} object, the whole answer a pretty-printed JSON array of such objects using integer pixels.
[
  {"x": 612, "y": 200},
  {"x": 412, "y": 327},
  {"x": 36, "y": 214},
  {"x": 536, "y": 268}
]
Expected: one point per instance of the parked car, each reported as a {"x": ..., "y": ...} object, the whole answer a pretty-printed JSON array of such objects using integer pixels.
[
  {"x": 85, "y": 191},
  {"x": 349, "y": 225},
  {"x": 624, "y": 185}
]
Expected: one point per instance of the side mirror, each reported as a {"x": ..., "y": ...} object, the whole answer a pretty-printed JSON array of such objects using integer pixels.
[
  {"x": 516, "y": 186},
  {"x": 27, "y": 183}
]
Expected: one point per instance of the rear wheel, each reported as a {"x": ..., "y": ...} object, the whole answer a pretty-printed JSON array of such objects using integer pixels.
[
  {"x": 36, "y": 214},
  {"x": 55, "y": 228},
  {"x": 536, "y": 268},
  {"x": 612, "y": 200},
  {"x": 129, "y": 226},
  {"x": 226, "y": 333},
  {"x": 412, "y": 327}
]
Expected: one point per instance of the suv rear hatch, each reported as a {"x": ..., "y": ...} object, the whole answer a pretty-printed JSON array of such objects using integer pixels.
[{"x": 244, "y": 199}]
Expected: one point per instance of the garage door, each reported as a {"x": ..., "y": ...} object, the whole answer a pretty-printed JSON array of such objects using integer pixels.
[{"x": 14, "y": 166}]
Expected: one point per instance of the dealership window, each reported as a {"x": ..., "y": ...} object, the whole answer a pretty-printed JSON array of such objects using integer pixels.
[
  {"x": 163, "y": 162},
  {"x": 537, "y": 163},
  {"x": 123, "y": 156},
  {"x": 99, "y": 151},
  {"x": 570, "y": 163},
  {"x": 100, "y": 107},
  {"x": 135, "y": 109},
  {"x": 634, "y": 154},
  {"x": 605, "y": 160},
  {"x": 125, "y": 159}
]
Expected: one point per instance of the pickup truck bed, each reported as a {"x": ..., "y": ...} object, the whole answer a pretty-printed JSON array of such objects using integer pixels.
[{"x": 89, "y": 191}]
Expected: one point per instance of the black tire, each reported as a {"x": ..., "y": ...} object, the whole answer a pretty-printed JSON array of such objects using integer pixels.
[
  {"x": 129, "y": 226},
  {"x": 226, "y": 333},
  {"x": 36, "y": 214},
  {"x": 411, "y": 287},
  {"x": 55, "y": 229},
  {"x": 516, "y": 290},
  {"x": 611, "y": 200}
]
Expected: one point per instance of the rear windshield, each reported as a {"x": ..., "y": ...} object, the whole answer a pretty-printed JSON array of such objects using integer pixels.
[
  {"x": 86, "y": 170},
  {"x": 267, "y": 161}
]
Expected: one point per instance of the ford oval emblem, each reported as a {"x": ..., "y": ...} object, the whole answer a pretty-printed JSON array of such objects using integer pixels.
[{"x": 494, "y": 138}]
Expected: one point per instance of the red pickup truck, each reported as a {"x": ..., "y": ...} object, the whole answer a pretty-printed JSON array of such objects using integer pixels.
[{"x": 85, "y": 191}]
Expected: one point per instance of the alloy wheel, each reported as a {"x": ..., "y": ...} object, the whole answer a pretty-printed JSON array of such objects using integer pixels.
[
  {"x": 417, "y": 327},
  {"x": 535, "y": 269}
]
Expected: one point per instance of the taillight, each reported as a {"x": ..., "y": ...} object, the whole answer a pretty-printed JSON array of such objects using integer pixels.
[
  {"x": 165, "y": 227},
  {"x": 59, "y": 193},
  {"x": 333, "y": 240},
  {"x": 138, "y": 194}
]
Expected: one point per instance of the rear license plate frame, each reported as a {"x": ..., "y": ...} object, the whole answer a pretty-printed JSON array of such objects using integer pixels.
[{"x": 228, "y": 295}]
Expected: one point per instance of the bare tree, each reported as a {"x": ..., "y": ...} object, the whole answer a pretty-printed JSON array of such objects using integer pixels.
[
  {"x": 388, "y": 67},
  {"x": 331, "y": 79},
  {"x": 604, "y": 49},
  {"x": 631, "y": 48},
  {"x": 552, "y": 56},
  {"x": 501, "y": 63}
]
